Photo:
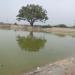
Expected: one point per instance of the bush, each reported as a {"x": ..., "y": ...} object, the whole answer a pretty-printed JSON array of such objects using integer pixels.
[
  {"x": 47, "y": 26},
  {"x": 61, "y": 25}
]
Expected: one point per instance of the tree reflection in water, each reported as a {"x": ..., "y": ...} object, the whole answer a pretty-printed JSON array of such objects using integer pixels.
[{"x": 30, "y": 43}]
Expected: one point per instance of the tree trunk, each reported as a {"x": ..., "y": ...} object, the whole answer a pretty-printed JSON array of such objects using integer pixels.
[{"x": 31, "y": 23}]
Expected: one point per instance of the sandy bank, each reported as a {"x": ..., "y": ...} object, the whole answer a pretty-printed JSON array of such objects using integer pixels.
[
  {"x": 38, "y": 29},
  {"x": 64, "y": 67}
]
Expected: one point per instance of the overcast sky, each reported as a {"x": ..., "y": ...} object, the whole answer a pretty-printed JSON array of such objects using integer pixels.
[{"x": 59, "y": 11}]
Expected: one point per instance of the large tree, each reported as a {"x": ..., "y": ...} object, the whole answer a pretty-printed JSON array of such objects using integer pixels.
[{"x": 32, "y": 13}]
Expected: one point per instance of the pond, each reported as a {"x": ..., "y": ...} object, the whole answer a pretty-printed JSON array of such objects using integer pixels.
[{"x": 23, "y": 51}]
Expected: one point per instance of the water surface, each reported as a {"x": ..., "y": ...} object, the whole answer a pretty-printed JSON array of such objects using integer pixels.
[{"x": 24, "y": 51}]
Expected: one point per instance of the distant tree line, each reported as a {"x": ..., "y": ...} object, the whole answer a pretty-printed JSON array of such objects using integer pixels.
[
  {"x": 57, "y": 26},
  {"x": 42, "y": 26},
  {"x": 61, "y": 26}
]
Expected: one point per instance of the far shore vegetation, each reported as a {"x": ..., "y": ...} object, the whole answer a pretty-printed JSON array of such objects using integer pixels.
[{"x": 43, "y": 26}]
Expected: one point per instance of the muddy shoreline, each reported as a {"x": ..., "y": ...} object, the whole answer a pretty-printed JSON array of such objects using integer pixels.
[
  {"x": 38, "y": 29},
  {"x": 63, "y": 67}
]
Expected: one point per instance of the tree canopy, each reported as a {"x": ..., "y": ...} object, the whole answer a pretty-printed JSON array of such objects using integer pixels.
[{"x": 32, "y": 13}]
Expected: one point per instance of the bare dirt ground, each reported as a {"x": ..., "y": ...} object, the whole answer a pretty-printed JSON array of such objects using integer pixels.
[{"x": 38, "y": 29}]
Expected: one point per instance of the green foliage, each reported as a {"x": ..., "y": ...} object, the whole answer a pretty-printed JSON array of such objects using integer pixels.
[
  {"x": 32, "y": 13},
  {"x": 30, "y": 43}
]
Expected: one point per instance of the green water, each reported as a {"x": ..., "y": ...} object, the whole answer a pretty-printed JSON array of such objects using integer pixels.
[{"x": 24, "y": 51}]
